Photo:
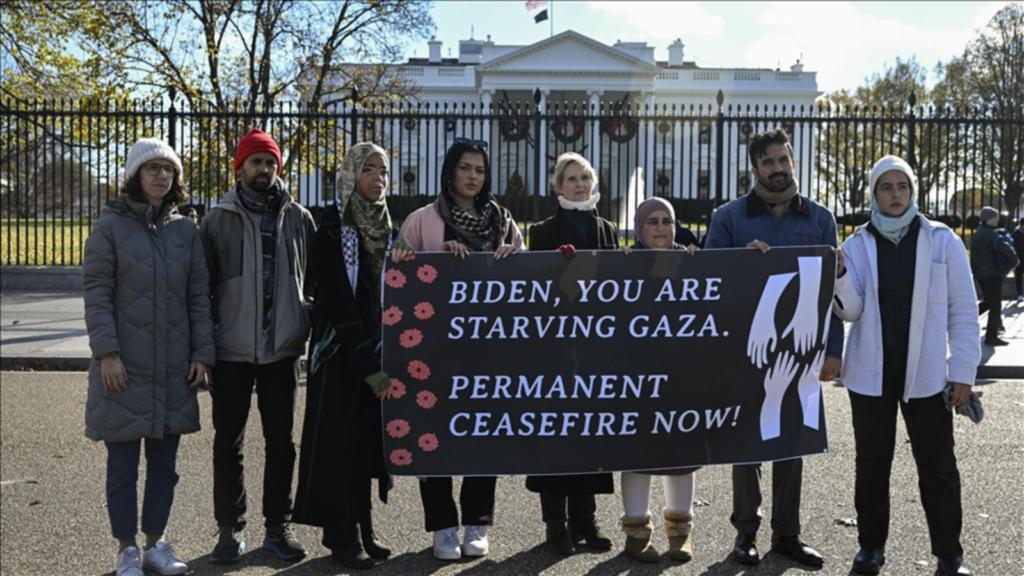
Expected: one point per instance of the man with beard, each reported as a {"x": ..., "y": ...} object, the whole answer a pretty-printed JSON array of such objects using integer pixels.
[
  {"x": 775, "y": 214},
  {"x": 256, "y": 242}
]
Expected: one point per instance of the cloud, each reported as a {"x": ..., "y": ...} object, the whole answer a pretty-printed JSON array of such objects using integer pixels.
[
  {"x": 838, "y": 39},
  {"x": 659, "y": 23}
]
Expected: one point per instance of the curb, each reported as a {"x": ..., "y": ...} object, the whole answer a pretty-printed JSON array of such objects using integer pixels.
[
  {"x": 66, "y": 364},
  {"x": 62, "y": 364}
]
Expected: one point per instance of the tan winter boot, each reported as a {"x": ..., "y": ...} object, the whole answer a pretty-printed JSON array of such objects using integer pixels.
[
  {"x": 677, "y": 527},
  {"x": 638, "y": 538}
]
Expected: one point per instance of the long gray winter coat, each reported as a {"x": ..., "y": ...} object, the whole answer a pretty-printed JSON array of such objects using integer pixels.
[{"x": 147, "y": 296}]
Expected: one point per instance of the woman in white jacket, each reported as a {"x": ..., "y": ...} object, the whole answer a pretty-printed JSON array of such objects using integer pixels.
[{"x": 905, "y": 284}]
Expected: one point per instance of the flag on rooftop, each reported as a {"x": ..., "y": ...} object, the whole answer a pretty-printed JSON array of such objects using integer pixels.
[
  {"x": 534, "y": 4},
  {"x": 541, "y": 16}
]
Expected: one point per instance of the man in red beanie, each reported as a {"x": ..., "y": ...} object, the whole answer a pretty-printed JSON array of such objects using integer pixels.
[{"x": 256, "y": 243}]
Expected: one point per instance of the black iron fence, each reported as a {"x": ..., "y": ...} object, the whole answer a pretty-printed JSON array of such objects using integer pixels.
[{"x": 61, "y": 161}]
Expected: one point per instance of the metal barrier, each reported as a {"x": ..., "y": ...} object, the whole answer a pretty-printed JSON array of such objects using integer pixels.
[{"x": 61, "y": 161}]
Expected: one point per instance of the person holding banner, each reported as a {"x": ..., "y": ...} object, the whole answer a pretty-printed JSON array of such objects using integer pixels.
[
  {"x": 655, "y": 226},
  {"x": 905, "y": 284},
  {"x": 342, "y": 442},
  {"x": 568, "y": 506},
  {"x": 464, "y": 218},
  {"x": 774, "y": 213}
]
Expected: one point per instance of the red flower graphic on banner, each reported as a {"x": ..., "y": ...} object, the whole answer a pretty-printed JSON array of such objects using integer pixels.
[
  {"x": 410, "y": 338},
  {"x": 397, "y": 428},
  {"x": 426, "y": 399},
  {"x": 394, "y": 278},
  {"x": 392, "y": 316},
  {"x": 401, "y": 457},
  {"x": 397, "y": 388},
  {"x": 424, "y": 310},
  {"x": 419, "y": 370},
  {"x": 428, "y": 442},
  {"x": 427, "y": 273}
]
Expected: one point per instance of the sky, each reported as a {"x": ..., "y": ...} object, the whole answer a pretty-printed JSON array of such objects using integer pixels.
[{"x": 844, "y": 42}]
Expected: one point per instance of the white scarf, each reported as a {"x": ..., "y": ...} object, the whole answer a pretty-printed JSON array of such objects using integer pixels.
[{"x": 585, "y": 206}]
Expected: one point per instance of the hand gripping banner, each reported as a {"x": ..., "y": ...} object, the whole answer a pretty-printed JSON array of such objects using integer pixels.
[{"x": 539, "y": 364}]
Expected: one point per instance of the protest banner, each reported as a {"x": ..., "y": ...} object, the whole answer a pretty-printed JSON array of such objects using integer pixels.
[{"x": 539, "y": 364}]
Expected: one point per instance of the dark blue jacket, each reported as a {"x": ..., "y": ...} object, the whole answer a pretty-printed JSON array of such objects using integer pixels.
[{"x": 805, "y": 223}]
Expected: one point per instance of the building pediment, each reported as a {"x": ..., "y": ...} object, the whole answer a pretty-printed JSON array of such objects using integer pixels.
[{"x": 568, "y": 53}]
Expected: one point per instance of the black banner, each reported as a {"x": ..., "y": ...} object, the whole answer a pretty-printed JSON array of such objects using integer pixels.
[{"x": 538, "y": 364}]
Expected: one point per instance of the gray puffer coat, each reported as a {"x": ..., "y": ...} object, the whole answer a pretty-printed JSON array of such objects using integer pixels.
[{"x": 147, "y": 296}]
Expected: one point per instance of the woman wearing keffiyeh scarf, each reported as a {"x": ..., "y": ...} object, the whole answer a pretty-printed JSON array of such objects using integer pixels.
[
  {"x": 464, "y": 218},
  {"x": 342, "y": 445}
]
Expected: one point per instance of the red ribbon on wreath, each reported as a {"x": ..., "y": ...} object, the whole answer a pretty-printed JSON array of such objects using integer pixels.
[
  {"x": 620, "y": 130},
  {"x": 514, "y": 130},
  {"x": 567, "y": 131}
]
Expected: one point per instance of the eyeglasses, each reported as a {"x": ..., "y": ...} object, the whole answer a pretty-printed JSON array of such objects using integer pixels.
[
  {"x": 480, "y": 143},
  {"x": 156, "y": 169}
]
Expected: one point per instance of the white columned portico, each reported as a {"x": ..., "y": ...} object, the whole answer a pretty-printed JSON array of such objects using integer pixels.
[
  {"x": 486, "y": 99},
  {"x": 541, "y": 138}
]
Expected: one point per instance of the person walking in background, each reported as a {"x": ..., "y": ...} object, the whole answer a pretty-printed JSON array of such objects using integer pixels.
[
  {"x": 1018, "y": 247},
  {"x": 568, "y": 505},
  {"x": 147, "y": 311},
  {"x": 990, "y": 279},
  {"x": 342, "y": 440},
  {"x": 465, "y": 218},
  {"x": 655, "y": 226},
  {"x": 190, "y": 213},
  {"x": 903, "y": 282},
  {"x": 774, "y": 213},
  {"x": 256, "y": 241}
]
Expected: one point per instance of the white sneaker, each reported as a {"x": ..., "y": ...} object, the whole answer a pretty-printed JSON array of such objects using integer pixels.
[
  {"x": 160, "y": 558},
  {"x": 129, "y": 563},
  {"x": 446, "y": 544},
  {"x": 475, "y": 542}
]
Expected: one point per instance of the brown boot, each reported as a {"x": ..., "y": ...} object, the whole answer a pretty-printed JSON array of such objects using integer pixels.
[
  {"x": 638, "y": 538},
  {"x": 677, "y": 527}
]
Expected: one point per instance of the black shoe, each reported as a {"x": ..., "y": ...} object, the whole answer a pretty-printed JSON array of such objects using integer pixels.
[
  {"x": 559, "y": 540},
  {"x": 371, "y": 545},
  {"x": 230, "y": 546},
  {"x": 953, "y": 566},
  {"x": 586, "y": 529},
  {"x": 281, "y": 540},
  {"x": 792, "y": 546},
  {"x": 353, "y": 557},
  {"x": 995, "y": 342},
  {"x": 869, "y": 560},
  {"x": 745, "y": 550}
]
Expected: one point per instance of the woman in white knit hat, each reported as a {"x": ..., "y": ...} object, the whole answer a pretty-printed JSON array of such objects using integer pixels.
[
  {"x": 905, "y": 284},
  {"x": 147, "y": 309}
]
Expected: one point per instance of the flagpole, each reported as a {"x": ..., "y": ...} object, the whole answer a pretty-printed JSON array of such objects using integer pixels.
[{"x": 551, "y": 24}]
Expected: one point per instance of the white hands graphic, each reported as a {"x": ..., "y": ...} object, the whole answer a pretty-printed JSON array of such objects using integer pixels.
[
  {"x": 809, "y": 390},
  {"x": 776, "y": 381},
  {"x": 763, "y": 337},
  {"x": 804, "y": 323}
]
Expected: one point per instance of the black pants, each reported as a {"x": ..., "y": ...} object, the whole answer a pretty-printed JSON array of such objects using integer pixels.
[
  {"x": 232, "y": 396},
  {"x": 344, "y": 534},
  {"x": 787, "y": 482},
  {"x": 476, "y": 500},
  {"x": 930, "y": 427},
  {"x": 556, "y": 508},
  {"x": 1018, "y": 278},
  {"x": 992, "y": 292}
]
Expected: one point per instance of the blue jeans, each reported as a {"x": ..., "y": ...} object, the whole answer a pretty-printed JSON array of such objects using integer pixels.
[{"x": 123, "y": 478}]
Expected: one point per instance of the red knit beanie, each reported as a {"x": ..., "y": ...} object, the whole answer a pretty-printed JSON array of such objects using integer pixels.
[{"x": 253, "y": 142}]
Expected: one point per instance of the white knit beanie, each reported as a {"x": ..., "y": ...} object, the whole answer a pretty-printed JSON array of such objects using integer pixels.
[
  {"x": 888, "y": 163},
  {"x": 148, "y": 149}
]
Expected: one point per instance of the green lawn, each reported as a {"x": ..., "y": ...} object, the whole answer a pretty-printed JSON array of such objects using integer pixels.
[{"x": 43, "y": 242}]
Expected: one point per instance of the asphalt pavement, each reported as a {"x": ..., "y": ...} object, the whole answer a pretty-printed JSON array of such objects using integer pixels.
[{"x": 54, "y": 519}]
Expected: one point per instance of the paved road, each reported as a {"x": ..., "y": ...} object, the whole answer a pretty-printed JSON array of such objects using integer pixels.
[{"x": 54, "y": 520}]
